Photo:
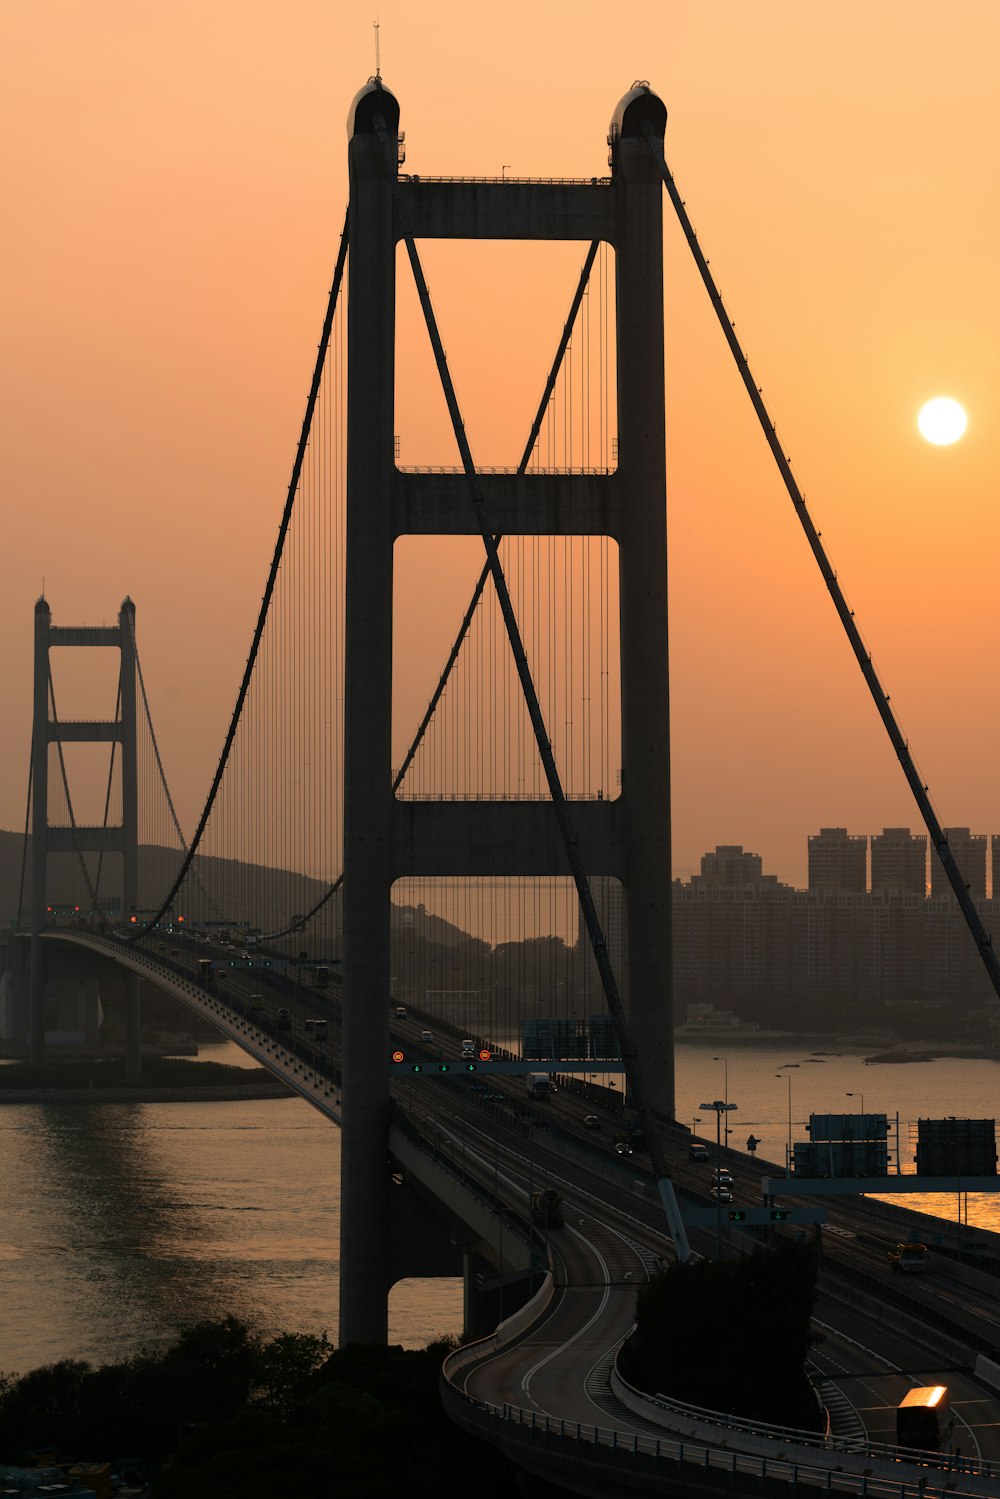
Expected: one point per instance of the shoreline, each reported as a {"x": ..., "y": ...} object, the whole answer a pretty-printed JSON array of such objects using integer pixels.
[
  {"x": 220, "y": 1093},
  {"x": 873, "y": 1049}
]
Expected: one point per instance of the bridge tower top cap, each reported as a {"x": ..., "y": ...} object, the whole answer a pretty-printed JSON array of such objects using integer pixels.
[
  {"x": 42, "y": 607},
  {"x": 639, "y": 109},
  {"x": 369, "y": 102}
]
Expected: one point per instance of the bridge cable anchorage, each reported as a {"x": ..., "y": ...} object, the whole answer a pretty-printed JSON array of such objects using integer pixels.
[
  {"x": 974, "y": 921},
  {"x": 477, "y": 592},
  {"x": 69, "y": 799},
  {"x": 595, "y": 931},
  {"x": 210, "y": 898},
  {"x": 272, "y": 577}
]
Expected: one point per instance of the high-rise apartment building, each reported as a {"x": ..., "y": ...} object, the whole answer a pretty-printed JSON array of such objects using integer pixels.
[
  {"x": 970, "y": 854},
  {"x": 838, "y": 860},
  {"x": 731, "y": 868},
  {"x": 899, "y": 862}
]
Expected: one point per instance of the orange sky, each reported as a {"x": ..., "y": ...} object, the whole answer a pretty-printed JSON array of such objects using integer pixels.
[{"x": 175, "y": 181}]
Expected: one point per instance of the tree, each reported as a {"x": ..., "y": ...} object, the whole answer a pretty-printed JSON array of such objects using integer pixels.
[{"x": 733, "y": 1337}]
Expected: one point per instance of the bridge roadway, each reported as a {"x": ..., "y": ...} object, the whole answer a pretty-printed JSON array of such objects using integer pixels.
[{"x": 557, "y": 1371}]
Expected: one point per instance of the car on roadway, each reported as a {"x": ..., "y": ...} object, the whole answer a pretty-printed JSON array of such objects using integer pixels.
[
  {"x": 591, "y": 1121},
  {"x": 427, "y": 1036},
  {"x": 256, "y": 1001},
  {"x": 401, "y": 1012},
  {"x": 722, "y": 1177},
  {"x": 722, "y": 1193},
  {"x": 283, "y": 1019},
  {"x": 697, "y": 1151}
]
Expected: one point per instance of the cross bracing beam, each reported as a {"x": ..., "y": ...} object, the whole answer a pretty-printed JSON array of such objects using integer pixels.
[
  {"x": 474, "y": 208},
  {"x": 519, "y": 504},
  {"x": 503, "y": 838},
  {"x": 87, "y": 635},
  {"x": 85, "y": 731},
  {"x": 89, "y": 840}
]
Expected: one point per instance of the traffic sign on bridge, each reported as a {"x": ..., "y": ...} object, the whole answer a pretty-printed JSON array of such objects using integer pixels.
[
  {"x": 403, "y": 1065},
  {"x": 750, "y": 1217}
]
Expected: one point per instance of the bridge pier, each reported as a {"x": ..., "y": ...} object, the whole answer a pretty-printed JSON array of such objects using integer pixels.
[
  {"x": 489, "y": 1296},
  {"x": 628, "y": 837},
  {"x": 49, "y": 839}
]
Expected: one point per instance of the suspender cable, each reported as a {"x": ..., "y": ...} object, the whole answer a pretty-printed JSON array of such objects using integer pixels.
[
  {"x": 609, "y": 983},
  {"x": 111, "y": 775},
  {"x": 915, "y": 781},
  {"x": 529, "y": 448},
  {"x": 162, "y": 775},
  {"x": 69, "y": 799},
  {"x": 272, "y": 578},
  {"x": 477, "y": 592},
  {"x": 24, "y": 840}
]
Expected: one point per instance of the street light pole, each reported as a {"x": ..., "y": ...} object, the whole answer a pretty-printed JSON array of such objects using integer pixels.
[
  {"x": 788, "y": 1149},
  {"x": 720, "y": 1106},
  {"x": 725, "y": 1086}
]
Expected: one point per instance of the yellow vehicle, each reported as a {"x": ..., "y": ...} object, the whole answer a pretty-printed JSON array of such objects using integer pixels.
[
  {"x": 924, "y": 1420},
  {"x": 909, "y": 1258}
]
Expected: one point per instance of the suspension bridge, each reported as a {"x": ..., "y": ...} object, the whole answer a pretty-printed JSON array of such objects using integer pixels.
[{"x": 498, "y": 872}]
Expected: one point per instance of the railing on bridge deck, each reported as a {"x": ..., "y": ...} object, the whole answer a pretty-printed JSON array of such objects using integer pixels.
[{"x": 637, "y": 1456}]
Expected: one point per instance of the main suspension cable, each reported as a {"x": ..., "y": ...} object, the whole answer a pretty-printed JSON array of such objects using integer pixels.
[
  {"x": 196, "y": 873},
  {"x": 974, "y": 921},
  {"x": 272, "y": 577}
]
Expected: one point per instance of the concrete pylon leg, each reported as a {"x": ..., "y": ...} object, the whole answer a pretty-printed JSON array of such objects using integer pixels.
[
  {"x": 36, "y": 1005},
  {"x": 364, "y": 1223},
  {"x": 133, "y": 1025}
]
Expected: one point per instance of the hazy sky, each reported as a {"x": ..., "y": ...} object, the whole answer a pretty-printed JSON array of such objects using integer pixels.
[{"x": 175, "y": 183}]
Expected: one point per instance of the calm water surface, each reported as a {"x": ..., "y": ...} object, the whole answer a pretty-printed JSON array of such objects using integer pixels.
[{"x": 122, "y": 1223}]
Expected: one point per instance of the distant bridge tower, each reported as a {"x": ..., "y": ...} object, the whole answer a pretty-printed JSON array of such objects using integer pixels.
[
  {"x": 46, "y": 839},
  {"x": 387, "y": 839}
]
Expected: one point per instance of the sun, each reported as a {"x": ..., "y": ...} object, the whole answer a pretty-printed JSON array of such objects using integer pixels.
[{"x": 942, "y": 421}]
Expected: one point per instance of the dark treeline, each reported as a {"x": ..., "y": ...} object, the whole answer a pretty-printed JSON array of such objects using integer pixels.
[
  {"x": 225, "y": 1412},
  {"x": 731, "y": 1336}
]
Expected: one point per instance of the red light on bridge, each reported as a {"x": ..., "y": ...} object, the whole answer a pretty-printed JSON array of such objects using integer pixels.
[
  {"x": 484, "y": 1055},
  {"x": 399, "y": 1056}
]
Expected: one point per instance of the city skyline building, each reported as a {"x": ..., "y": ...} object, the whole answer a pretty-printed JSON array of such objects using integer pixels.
[
  {"x": 743, "y": 940},
  {"x": 899, "y": 862},
  {"x": 838, "y": 860},
  {"x": 970, "y": 854}
]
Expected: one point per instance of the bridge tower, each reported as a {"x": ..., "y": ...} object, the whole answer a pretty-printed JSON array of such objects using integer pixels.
[
  {"x": 47, "y": 839},
  {"x": 387, "y": 838}
]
